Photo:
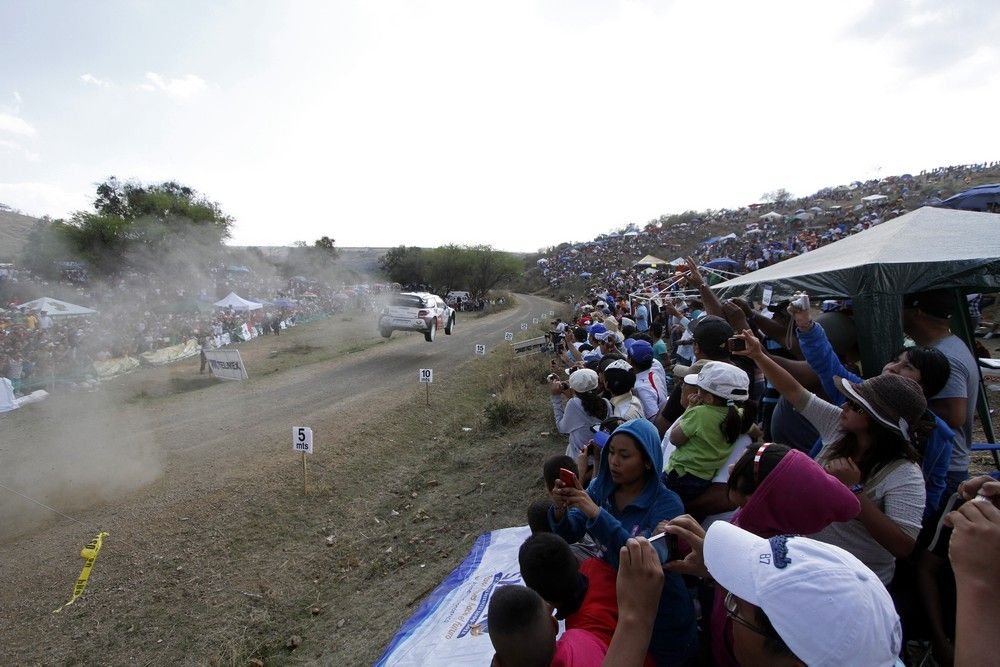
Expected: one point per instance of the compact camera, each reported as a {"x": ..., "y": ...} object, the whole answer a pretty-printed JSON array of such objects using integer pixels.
[{"x": 800, "y": 301}]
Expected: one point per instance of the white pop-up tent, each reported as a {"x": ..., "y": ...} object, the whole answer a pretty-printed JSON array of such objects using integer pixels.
[
  {"x": 56, "y": 308},
  {"x": 649, "y": 262},
  {"x": 236, "y": 302},
  {"x": 875, "y": 199}
]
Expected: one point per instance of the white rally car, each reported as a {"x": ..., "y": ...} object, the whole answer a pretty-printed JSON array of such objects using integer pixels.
[{"x": 417, "y": 311}]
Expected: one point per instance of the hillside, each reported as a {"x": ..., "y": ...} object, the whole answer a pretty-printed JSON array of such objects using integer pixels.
[{"x": 14, "y": 230}]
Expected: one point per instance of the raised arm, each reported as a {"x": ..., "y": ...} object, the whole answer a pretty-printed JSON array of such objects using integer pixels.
[
  {"x": 782, "y": 380},
  {"x": 708, "y": 299}
]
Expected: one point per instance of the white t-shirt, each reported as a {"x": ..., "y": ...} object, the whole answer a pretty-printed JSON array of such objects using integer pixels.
[{"x": 900, "y": 494}]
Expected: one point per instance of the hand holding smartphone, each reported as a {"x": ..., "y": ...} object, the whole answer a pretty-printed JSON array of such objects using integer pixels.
[
  {"x": 665, "y": 546},
  {"x": 568, "y": 478}
]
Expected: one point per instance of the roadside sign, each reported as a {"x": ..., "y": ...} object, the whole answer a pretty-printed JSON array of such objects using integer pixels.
[
  {"x": 524, "y": 326},
  {"x": 480, "y": 348},
  {"x": 302, "y": 439},
  {"x": 534, "y": 320},
  {"x": 427, "y": 375},
  {"x": 551, "y": 313},
  {"x": 508, "y": 335}
]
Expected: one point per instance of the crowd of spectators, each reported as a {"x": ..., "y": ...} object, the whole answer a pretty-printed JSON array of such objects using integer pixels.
[
  {"x": 139, "y": 313},
  {"x": 820, "y": 518},
  {"x": 751, "y": 237}
]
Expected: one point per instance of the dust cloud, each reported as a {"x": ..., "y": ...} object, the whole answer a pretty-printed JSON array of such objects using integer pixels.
[{"x": 70, "y": 453}]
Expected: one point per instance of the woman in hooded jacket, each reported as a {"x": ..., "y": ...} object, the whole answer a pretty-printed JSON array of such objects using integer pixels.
[{"x": 627, "y": 499}]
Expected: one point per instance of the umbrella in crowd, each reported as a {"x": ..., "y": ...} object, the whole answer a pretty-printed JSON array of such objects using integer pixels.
[
  {"x": 722, "y": 263},
  {"x": 985, "y": 198}
]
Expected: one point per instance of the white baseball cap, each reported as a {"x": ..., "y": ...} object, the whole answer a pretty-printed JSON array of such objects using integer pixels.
[
  {"x": 824, "y": 603},
  {"x": 723, "y": 380},
  {"x": 583, "y": 380}
]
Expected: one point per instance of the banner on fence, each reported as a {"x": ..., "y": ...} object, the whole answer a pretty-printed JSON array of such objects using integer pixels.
[
  {"x": 450, "y": 627},
  {"x": 226, "y": 364}
]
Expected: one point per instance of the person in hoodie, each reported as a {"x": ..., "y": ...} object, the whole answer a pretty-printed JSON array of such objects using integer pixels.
[
  {"x": 628, "y": 499},
  {"x": 927, "y": 366},
  {"x": 780, "y": 491}
]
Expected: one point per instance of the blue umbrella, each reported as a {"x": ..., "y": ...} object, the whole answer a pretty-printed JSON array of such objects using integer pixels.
[
  {"x": 980, "y": 198},
  {"x": 721, "y": 263},
  {"x": 585, "y": 274}
]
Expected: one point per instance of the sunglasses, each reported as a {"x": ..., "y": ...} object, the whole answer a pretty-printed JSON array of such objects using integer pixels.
[
  {"x": 854, "y": 407},
  {"x": 731, "y": 611}
]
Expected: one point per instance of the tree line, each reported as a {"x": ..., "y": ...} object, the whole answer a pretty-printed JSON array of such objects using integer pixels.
[
  {"x": 159, "y": 228},
  {"x": 475, "y": 269}
]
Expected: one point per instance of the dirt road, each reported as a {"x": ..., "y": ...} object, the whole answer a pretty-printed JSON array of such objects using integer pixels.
[{"x": 151, "y": 454}]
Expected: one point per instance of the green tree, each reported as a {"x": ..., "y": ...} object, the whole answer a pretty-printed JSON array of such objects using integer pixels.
[
  {"x": 781, "y": 196},
  {"x": 135, "y": 224},
  {"x": 327, "y": 244},
  {"x": 448, "y": 268},
  {"x": 406, "y": 265},
  {"x": 46, "y": 244},
  {"x": 487, "y": 268}
]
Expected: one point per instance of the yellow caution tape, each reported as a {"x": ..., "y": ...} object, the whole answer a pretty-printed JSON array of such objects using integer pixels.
[{"x": 89, "y": 554}]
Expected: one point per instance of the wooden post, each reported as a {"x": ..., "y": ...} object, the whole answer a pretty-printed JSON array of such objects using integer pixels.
[
  {"x": 305, "y": 486},
  {"x": 428, "y": 393}
]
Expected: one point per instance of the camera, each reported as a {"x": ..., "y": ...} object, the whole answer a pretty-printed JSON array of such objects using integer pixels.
[
  {"x": 736, "y": 344},
  {"x": 800, "y": 301}
]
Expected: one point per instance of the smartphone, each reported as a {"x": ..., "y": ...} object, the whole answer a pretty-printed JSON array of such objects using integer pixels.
[
  {"x": 568, "y": 477},
  {"x": 737, "y": 344},
  {"x": 665, "y": 546}
]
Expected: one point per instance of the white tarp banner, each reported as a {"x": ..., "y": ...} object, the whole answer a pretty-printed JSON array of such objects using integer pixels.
[
  {"x": 450, "y": 627},
  {"x": 226, "y": 364}
]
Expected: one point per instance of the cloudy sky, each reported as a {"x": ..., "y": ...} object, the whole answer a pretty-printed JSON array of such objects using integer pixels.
[{"x": 514, "y": 123}]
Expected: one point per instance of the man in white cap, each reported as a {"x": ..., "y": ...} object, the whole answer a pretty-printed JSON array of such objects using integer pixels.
[{"x": 794, "y": 601}]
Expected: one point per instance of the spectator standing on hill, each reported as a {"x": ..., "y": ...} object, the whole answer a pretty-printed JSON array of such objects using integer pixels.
[
  {"x": 641, "y": 317},
  {"x": 926, "y": 320}
]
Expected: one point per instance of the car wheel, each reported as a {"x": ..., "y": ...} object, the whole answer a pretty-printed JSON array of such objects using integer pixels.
[
  {"x": 430, "y": 333},
  {"x": 385, "y": 332},
  {"x": 450, "y": 327}
]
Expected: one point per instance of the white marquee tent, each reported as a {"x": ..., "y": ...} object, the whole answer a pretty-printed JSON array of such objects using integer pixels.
[
  {"x": 56, "y": 308},
  {"x": 236, "y": 302}
]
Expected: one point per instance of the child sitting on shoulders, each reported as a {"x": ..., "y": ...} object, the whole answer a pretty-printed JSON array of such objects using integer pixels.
[{"x": 705, "y": 433}]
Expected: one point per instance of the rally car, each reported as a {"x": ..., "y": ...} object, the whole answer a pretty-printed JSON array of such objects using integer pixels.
[{"x": 417, "y": 311}]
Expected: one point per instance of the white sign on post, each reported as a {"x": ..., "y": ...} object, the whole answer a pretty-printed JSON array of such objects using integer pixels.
[
  {"x": 226, "y": 364},
  {"x": 508, "y": 335},
  {"x": 524, "y": 326},
  {"x": 302, "y": 439},
  {"x": 480, "y": 348},
  {"x": 551, "y": 313},
  {"x": 768, "y": 293},
  {"x": 534, "y": 320},
  {"x": 427, "y": 375}
]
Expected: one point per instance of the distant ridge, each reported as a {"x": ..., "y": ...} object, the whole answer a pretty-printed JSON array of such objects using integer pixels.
[{"x": 14, "y": 230}]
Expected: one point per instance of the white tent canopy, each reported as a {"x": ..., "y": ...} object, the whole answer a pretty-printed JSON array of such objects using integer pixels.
[
  {"x": 236, "y": 302},
  {"x": 649, "y": 261},
  {"x": 772, "y": 217},
  {"x": 56, "y": 308},
  {"x": 874, "y": 199}
]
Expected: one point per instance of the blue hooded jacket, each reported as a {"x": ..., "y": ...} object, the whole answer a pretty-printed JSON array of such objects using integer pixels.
[{"x": 674, "y": 632}]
